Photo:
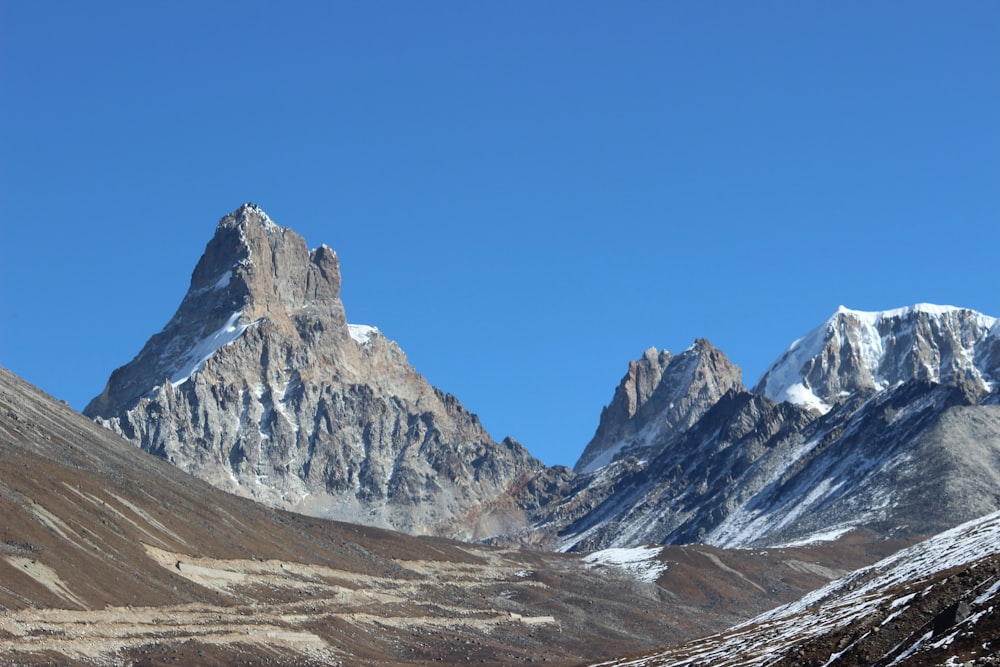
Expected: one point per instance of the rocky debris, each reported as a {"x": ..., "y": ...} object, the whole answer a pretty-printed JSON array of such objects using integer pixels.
[
  {"x": 951, "y": 616},
  {"x": 260, "y": 386}
]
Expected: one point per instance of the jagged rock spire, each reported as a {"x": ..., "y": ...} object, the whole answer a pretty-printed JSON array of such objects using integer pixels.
[
  {"x": 659, "y": 395},
  {"x": 260, "y": 386},
  {"x": 251, "y": 270}
]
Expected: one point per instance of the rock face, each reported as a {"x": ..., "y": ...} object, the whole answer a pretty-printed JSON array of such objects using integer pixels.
[
  {"x": 260, "y": 386},
  {"x": 887, "y": 421}
]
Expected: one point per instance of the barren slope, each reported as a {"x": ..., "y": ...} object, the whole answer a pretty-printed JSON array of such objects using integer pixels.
[{"x": 109, "y": 555}]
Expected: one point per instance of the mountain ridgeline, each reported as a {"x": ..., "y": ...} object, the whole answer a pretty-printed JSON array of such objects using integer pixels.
[{"x": 884, "y": 421}]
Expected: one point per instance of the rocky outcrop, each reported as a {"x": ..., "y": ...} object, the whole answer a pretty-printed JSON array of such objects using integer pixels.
[{"x": 260, "y": 386}]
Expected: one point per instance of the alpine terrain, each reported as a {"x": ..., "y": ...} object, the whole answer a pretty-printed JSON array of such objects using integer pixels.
[
  {"x": 260, "y": 386},
  {"x": 936, "y": 603},
  {"x": 888, "y": 421}
]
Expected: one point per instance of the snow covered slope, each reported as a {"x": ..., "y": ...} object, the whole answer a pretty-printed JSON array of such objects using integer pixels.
[{"x": 937, "y": 602}]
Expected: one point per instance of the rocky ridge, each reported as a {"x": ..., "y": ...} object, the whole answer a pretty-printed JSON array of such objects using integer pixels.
[
  {"x": 660, "y": 394},
  {"x": 260, "y": 386}
]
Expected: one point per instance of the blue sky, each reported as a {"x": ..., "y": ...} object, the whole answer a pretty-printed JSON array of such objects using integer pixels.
[{"x": 524, "y": 195}]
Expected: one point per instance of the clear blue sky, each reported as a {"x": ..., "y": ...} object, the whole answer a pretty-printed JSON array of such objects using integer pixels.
[{"x": 525, "y": 195}]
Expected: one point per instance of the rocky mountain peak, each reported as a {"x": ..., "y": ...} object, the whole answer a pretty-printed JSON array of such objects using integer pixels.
[
  {"x": 660, "y": 395},
  {"x": 267, "y": 269},
  {"x": 252, "y": 271},
  {"x": 856, "y": 351},
  {"x": 260, "y": 386}
]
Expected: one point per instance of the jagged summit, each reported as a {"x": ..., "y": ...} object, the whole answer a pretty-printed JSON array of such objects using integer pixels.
[
  {"x": 251, "y": 270},
  {"x": 870, "y": 351},
  {"x": 260, "y": 386},
  {"x": 661, "y": 394}
]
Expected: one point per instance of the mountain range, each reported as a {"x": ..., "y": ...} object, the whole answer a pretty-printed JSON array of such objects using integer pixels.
[{"x": 887, "y": 421}]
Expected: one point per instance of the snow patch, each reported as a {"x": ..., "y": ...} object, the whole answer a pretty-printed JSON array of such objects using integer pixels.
[
  {"x": 223, "y": 281},
  {"x": 799, "y": 394},
  {"x": 362, "y": 333},
  {"x": 604, "y": 458},
  {"x": 195, "y": 358},
  {"x": 639, "y": 562},
  {"x": 825, "y": 536},
  {"x": 220, "y": 283}
]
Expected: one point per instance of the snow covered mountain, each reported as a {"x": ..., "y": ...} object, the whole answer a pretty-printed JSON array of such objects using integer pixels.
[
  {"x": 260, "y": 386},
  {"x": 886, "y": 421},
  {"x": 860, "y": 351}
]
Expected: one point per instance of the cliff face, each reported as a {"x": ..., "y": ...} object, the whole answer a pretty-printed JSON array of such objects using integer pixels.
[{"x": 260, "y": 386}]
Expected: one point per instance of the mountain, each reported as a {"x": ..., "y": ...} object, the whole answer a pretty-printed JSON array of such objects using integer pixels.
[
  {"x": 932, "y": 604},
  {"x": 888, "y": 421},
  {"x": 109, "y": 555},
  {"x": 858, "y": 351},
  {"x": 260, "y": 386}
]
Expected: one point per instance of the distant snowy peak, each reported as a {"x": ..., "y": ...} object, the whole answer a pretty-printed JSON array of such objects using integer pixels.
[{"x": 870, "y": 351}]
